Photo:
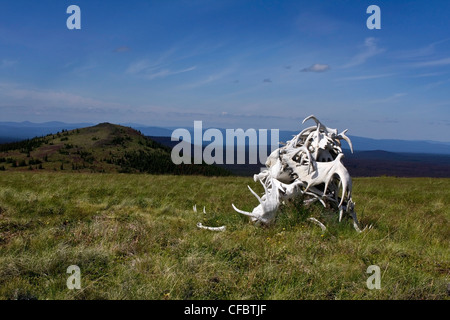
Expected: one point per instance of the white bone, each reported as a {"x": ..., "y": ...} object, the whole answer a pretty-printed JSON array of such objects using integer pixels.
[
  {"x": 222, "y": 228},
  {"x": 320, "y": 224},
  {"x": 310, "y": 161}
]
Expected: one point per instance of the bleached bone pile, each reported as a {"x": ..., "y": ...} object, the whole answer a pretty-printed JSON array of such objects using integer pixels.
[{"x": 308, "y": 166}]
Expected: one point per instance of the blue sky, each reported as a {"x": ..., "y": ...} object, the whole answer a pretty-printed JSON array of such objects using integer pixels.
[{"x": 231, "y": 64}]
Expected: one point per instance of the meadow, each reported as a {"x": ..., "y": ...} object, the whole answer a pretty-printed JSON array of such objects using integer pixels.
[{"x": 134, "y": 236}]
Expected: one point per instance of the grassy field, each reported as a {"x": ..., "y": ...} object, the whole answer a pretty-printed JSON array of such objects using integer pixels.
[{"x": 135, "y": 237}]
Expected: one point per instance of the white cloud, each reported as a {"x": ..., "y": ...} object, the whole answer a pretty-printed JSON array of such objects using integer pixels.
[
  {"x": 434, "y": 63},
  {"x": 147, "y": 70},
  {"x": 368, "y": 77},
  {"x": 164, "y": 73},
  {"x": 38, "y": 97},
  {"x": 421, "y": 52},
  {"x": 209, "y": 79},
  {"x": 426, "y": 75},
  {"x": 370, "y": 49},
  {"x": 138, "y": 67},
  {"x": 391, "y": 98},
  {"x": 436, "y": 84},
  {"x": 317, "y": 67}
]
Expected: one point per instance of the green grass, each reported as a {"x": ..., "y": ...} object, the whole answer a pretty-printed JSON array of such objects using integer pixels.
[{"x": 135, "y": 237}]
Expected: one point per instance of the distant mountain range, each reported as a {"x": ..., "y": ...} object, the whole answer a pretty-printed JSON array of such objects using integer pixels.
[
  {"x": 135, "y": 148},
  {"x": 16, "y": 131},
  {"x": 359, "y": 164}
]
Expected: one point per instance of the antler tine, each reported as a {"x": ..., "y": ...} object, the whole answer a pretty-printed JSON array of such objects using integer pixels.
[
  {"x": 343, "y": 136},
  {"x": 311, "y": 117},
  {"x": 255, "y": 194},
  {"x": 243, "y": 212}
]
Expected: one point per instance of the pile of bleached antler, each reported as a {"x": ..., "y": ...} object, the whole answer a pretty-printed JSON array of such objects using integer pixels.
[{"x": 308, "y": 166}]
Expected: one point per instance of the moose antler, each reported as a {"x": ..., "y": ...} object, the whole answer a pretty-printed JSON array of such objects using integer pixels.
[{"x": 310, "y": 164}]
